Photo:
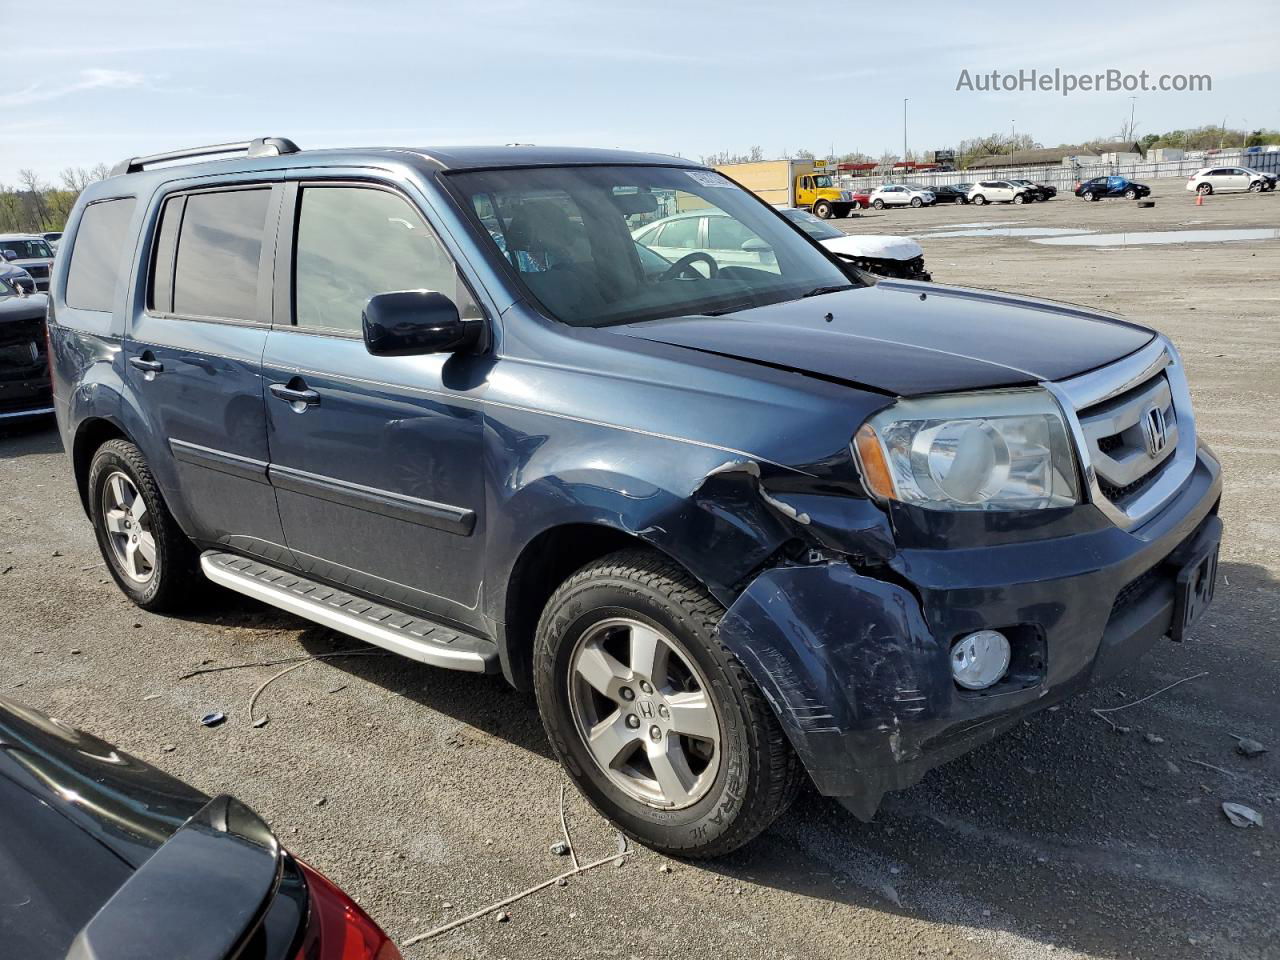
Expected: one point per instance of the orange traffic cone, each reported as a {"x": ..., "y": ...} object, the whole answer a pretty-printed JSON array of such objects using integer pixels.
[{"x": 1199, "y": 199}]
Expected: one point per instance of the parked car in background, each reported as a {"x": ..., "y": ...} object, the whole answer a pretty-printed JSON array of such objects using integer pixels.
[
  {"x": 899, "y": 257},
  {"x": 53, "y": 237},
  {"x": 31, "y": 252},
  {"x": 735, "y": 529},
  {"x": 721, "y": 241},
  {"x": 107, "y": 858},
  {"x": 951, "y": 193},
  {"x": 17, "y": 277},
  {"x": 1230, "y": 180},
  {"x": 898, "y": 195},
  {"x": 24, "y": 364},
  {"x": 1038, "y": 191},
  {"x": 1100, "y": 188},
  {"x": 998, "y": 191}
]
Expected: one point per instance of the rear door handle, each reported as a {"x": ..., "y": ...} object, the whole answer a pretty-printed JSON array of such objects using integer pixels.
[
  {"x": 296, "y": 394},
  {"x": 148, "y": 364}
]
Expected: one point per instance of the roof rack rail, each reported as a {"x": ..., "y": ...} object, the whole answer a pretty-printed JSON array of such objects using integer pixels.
[{"x": 261, "y": 147}]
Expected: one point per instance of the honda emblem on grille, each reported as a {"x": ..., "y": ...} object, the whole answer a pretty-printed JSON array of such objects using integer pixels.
[{"x": 1155, "y": 430}]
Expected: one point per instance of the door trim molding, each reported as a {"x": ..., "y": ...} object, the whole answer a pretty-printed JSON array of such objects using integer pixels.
[
  {"x": 246, "y": 468},
  {"x": 427, "y": 513}
]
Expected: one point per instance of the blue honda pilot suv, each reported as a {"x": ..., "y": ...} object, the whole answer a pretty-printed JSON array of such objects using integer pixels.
[{"x": 736, "y": 522}]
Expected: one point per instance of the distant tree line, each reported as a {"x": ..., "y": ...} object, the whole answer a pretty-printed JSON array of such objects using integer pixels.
[{"x": 33, "y": 206}]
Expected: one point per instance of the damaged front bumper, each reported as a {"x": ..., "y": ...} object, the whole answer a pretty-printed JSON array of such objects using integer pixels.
[{"x": 857, "y": 665}]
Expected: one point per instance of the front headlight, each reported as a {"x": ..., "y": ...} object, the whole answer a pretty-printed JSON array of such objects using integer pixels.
[{"x": 1002, "y": 450}]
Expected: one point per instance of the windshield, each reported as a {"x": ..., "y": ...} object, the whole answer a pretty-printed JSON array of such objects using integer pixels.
[
  {"x": 27, "y": 249},
  {"x": 806, "y": 221},
  {"x": 822, "y": 181},
  {"x": 573, "y": 236}
]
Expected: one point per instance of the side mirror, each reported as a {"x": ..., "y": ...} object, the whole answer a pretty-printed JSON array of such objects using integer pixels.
[
  {"x": 756, "y": 245},
  {"x": 10, "y": 254},
  {"x": 411, "y": 322}
]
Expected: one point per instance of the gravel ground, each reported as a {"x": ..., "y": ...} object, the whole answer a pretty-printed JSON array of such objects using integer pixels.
[{"x": 428, "y": 794}]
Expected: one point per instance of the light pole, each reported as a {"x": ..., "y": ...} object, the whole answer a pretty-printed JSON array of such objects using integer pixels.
[
  {"x": 1133, "y": 102},
  {"x": 1013, "y": 126},
  {"x": 904, "y": 129}
]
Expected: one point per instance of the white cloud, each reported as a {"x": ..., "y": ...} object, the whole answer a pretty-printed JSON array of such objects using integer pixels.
[{"x": 92, "y": 79}]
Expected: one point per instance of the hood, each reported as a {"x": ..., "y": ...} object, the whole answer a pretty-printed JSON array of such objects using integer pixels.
[
  {"x": 870, "y": 245},
  {"x": 31, "y": 307},
  {"x": 910, "y": 339}
]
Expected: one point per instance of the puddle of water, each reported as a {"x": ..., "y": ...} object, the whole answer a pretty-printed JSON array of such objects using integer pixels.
[
  {"x": 1164, "y": 237},
  {"x": 1010, "y": 232}
]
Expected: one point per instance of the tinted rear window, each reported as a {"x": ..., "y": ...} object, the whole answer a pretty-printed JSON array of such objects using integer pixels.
[
  {"x": 216, "y": 273},
  {"x": 98, "y": 254}
]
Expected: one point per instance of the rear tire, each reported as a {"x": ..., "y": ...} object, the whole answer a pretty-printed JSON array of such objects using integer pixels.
[
  {"x": 1204, "y": 189},
  {"x": 878, "y": 203},
  {"x": 635, "y": 601},
  {"x": 1088, "y": 195},
  {"x": 150, "y": 558}
]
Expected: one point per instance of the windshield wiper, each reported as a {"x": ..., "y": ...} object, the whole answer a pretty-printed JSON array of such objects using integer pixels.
[{"x": 836, "y": 288}]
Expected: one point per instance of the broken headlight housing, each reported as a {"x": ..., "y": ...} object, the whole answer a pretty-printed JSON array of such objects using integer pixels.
[{"x": 998, "y": 450}]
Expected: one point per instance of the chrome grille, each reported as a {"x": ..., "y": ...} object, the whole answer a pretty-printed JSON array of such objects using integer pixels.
[
  {"x": 1134, "y": 431},
  {"x": 1118, "y": 434}
]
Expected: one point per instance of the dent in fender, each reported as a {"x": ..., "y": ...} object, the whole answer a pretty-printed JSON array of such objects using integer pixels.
[{"x": 845, "y": 660}]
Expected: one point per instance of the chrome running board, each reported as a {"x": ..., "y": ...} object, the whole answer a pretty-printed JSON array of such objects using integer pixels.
[{"x": 408, "y": 635}]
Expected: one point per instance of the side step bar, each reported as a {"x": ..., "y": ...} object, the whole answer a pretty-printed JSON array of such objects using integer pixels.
[{"x": 410, "y": 636}]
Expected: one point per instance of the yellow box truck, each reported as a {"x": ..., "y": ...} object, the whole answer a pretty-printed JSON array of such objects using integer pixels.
[{"x": 793, "y": 183}]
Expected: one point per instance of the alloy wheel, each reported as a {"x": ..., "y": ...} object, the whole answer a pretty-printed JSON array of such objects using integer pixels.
[
  {"x": 644, "y": 711},
  {"x": 128, "y": 528}
]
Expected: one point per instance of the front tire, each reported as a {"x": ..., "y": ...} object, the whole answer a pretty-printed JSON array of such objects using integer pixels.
[
  {"x": 1019, "y": 198},
  {"x": 1131, "y": 194},
  {"x": 659, "y": 726},
  {"x": 917, "y": 202},
  {"x": 822, "y": 209},
  {"x": 980, "y": 200},
  {"x": 1255, "y": 187},
  {"x": 878, "y": 203},
  {"x": 150, "y": 558}
]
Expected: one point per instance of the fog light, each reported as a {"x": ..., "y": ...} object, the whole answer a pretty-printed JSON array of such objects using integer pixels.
[{"x": 980, "y": 659}]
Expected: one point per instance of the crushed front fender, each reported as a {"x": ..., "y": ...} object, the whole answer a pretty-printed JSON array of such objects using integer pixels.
[{"x": 850, "y": 668}]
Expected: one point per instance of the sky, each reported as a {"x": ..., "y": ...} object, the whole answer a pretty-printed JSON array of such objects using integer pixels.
[{"x": 95, "y": 82}]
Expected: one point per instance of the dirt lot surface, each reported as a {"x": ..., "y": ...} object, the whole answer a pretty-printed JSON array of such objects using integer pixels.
[{"x": 429, "y": 794}]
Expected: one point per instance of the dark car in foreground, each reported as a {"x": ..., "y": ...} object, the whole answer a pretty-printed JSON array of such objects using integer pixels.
[
  {"x": 25, "y": 390},
  {"x": 1101, "y": 188},
  {"x": 737, "y": 522},
  {"x": 104, "y": 857}
]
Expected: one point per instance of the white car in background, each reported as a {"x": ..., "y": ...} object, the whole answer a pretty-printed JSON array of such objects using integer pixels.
[
  {"x": 899, "y": 257},
  {"x": 897, "y": 195},
  {"x": 1230, "y": 180},
  {"x": 998, "y": 191},
  {"x": 719, "y": 236}
]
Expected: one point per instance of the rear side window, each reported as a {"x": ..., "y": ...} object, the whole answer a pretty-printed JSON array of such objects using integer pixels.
[
  {"x": 98, "y": 254},
  {"x": 219, "y": 247},
  {"x": 160, "y": 290}
]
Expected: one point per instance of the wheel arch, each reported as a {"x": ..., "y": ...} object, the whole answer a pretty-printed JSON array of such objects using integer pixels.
[{"x": 91, "y": 434}]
